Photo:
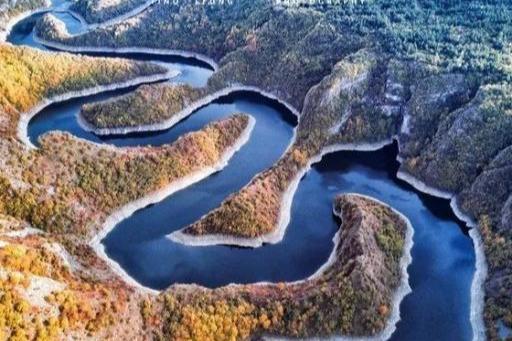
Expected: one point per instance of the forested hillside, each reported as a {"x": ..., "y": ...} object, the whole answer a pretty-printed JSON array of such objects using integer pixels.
[
  {"x": 453, "y": 120},
  {"x": 29, "y": 76}
]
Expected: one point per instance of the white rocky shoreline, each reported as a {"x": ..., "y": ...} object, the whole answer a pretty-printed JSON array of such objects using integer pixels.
[
  {"x": 127, "y": 210},
  {"x": 403, "y": 289},
  {"x": 477, "y": 293},
  {"x": 27, "y": 116},
  {"x": 177, "y": 117},
  {"x": 219, "y": 239},
  {"x": 477, "y": 284},
  {"x": 121, "y": 50},
  {"x": 278, "y": 233},
  {"x": 125, "y": 50},
  {"x": 284, "y": 216}
]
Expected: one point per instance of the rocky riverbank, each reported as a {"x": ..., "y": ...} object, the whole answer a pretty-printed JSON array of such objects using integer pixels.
[
  {"x": 448, "y": 108},
  {"x": 342, "y": 289}
]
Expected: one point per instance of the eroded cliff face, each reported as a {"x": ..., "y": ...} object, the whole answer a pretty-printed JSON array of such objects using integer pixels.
[
  {"x": 489, "y": 194},
  {"x": 454, "y": 137},
  {"x": 453, "y": 134}
]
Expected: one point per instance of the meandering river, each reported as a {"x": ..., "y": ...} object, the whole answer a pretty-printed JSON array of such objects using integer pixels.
[{"x": 443, "y": 255}]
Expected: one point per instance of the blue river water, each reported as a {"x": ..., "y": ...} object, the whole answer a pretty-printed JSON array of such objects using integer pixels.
[{"x": 443, "y": 255}]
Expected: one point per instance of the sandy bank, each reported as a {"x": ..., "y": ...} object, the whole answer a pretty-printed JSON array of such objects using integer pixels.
[{"x": 27, "y": 231}]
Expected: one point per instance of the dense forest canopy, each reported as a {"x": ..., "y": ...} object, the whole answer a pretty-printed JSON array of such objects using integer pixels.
[
  {"x": 461, "y": 144},
  {"x": 468, "y": 36}
]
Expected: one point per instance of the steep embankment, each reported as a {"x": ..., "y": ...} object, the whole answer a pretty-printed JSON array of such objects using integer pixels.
[
  {"x": 53, "y": 283},
  {"x": 357, "y": 292},
  {"x": 451, "y": 150}
]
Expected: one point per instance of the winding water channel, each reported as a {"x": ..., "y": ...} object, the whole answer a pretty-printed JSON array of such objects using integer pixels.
[{"x": 443, "y": 256}]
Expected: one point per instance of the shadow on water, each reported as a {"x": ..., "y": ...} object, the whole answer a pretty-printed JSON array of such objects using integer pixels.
[
  {"x": 193, "y": 71},
  {"x": 62, "y": 116},
  {"x": 443, "y": 256}
]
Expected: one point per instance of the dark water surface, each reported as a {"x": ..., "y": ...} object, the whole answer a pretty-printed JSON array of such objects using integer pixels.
[{"x": 443, "y": 255}]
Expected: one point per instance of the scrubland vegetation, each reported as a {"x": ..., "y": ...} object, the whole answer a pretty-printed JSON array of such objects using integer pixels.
[
  {"x": 103, "y": 179},
  {"x": 418, "y": 50},
  {"x": 347, "y": 298},
  {"x": 467, "y": 151},
  {"x": 93, "y": 183},
  {"x": 353, "y": 296},
  {"x": 43, "y": 299},
  {"x": 441, "y": 70},
  {"x": 252, "y": 38},
  {"x": 89, "y": 182},
  {"x": 29, "y": 76},
  {"x": 255, "y": 209},
  {"x": 350, "y": 90},
  {"x": 66, "y": 188},
  {"x": 148, "y": 104}
]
